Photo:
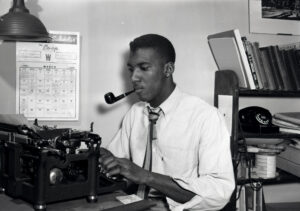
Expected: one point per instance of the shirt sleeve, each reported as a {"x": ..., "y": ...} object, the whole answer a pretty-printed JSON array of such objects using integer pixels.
[
  {"x": 215, "y": 181},
  {"x": 119, "y": 145}
]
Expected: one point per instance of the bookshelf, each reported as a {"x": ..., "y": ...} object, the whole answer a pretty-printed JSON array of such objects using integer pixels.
[
  {"x": 273, "y": 67},
  {"x": 227, "y": 83}
]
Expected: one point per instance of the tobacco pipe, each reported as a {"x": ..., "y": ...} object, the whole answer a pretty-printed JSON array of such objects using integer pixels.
[{"x": 110, "y": 98}]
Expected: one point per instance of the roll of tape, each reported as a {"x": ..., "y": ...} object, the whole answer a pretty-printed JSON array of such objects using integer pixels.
[{"x": 265, "y": 165}]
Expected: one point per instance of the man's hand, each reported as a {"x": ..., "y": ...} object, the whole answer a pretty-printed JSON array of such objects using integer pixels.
[
  {"x": 113, "y": 166},
  {"x": 104, "y": 152}
]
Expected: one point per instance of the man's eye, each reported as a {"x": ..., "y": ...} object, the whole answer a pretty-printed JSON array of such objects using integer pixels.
[
  {"x": 144, "y": 68},
  {"x": 130, "y": 69}
]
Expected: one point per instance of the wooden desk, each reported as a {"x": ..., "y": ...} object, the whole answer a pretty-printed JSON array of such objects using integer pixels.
[{"x": 105, "y": 201}]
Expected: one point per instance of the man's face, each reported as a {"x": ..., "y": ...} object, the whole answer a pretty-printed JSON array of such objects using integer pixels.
[{"x": 146, "y": 67}]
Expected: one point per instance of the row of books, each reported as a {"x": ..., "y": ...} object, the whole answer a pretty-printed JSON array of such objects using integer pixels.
[
  {"x": 274, "y": 67},
  {"x": 270, "y": 67}
]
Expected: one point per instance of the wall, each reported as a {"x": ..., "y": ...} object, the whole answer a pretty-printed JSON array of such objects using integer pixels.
[{"x": 107, "y": 26}]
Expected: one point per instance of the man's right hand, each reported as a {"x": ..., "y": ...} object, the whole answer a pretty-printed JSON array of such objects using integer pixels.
[
  {"x": 114, "y": 166},
  {"x": 105, "y": 152}
]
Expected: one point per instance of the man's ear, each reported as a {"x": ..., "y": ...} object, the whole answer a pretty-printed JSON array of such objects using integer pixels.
[{"x": 169, "y": 69}]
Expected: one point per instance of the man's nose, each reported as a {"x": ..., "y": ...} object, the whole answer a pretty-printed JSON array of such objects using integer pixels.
[{"x": 135, "y": 75}]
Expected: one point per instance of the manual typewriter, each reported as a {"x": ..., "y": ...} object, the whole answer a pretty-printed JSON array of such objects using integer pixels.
[{"x": 50, "y": 165}]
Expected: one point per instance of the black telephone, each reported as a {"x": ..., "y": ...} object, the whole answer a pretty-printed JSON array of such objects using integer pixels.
[{"x": 255, "y": 119}]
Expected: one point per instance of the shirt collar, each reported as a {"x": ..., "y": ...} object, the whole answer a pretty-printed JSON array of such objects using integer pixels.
[{"x": 169, "y": 103}]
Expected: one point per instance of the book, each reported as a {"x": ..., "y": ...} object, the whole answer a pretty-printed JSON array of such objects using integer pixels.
[
  {"x": 292, "y": 67},
  {"x": 235, "y": 33},
  {"x": 274, "y": 68},
  {"x": 225, "y": 53},
  {"x": 253, "y": 68},
  {"x": 260, "y": 67},
  {"x": 283, "y": 74},
  {"x": 289, "y": 130},
  {"x": 282, "y": 123},
  {"x": 290, "y": 117},
  {"x": 267, "y": 67},
  {"x": 297, "y": 60}
]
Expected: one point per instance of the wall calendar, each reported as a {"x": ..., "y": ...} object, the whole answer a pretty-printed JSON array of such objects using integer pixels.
[{"x": 48, "y": 77}]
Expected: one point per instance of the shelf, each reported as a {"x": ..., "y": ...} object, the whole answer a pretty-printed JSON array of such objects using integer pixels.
[
  {"x": 269, "y": 135},
  {"x": 282, "y": 177},
  {"x": 227, "y": 84},
  {"x": 268, "y": 93}
]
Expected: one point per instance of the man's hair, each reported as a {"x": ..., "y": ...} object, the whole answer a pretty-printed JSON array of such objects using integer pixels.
[{"x": 157, "y": 42}]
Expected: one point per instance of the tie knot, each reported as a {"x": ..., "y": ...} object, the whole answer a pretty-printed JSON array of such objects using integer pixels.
[{"x": 153, "y": 114}]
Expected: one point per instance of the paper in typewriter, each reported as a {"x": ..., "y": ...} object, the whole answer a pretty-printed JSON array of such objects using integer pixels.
[{"x": 48, "y": 77}]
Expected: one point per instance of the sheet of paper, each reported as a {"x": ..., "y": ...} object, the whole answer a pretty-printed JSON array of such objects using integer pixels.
[
  {"x": 48, "y": 77},
  {"x": 128, "y": 198}
]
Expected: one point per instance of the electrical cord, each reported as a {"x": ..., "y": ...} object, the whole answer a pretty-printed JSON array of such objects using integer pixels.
[{"x": 255, "y": 183}]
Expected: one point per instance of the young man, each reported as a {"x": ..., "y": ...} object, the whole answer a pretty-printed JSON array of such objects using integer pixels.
[{"x": 191, "y": 161}]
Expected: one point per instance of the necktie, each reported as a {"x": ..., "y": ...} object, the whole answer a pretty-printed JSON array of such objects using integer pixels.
[{"x": 153, "y": 115}]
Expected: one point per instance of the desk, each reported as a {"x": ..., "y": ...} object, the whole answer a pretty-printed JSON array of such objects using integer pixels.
[{"x": 105, "y": 201}]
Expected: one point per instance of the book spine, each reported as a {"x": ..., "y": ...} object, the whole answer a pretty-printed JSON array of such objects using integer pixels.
[
  {"x": 250, "y": 61},
  {"x": 291, "y": 66},
  {"x": 244, "y": 59},
  {"x": 296, "y": 58},
  {"x": 274, "y": 68},
  {"x": 283, "y": 74},
  {"x": 267, "y": 68},
  {"x": 255, "y": 64},
  {"x": 260, "y": 67}
]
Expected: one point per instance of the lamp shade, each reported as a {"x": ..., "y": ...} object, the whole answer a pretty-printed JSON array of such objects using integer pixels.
[{"x": 19, "y": 25}]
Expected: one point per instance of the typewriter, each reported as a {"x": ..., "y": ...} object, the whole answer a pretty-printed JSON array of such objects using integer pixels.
[{"x": 50, "y": 165}]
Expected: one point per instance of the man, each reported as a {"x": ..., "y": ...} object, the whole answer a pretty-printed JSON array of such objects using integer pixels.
[{"x": 191, "y": 160}]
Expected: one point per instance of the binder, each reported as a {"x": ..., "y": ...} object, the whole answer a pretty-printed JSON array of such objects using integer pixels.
[{"x": 235, "y": 34}]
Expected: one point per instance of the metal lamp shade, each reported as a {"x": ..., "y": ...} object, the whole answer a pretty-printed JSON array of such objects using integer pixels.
[{"x": 19, "y": 25}]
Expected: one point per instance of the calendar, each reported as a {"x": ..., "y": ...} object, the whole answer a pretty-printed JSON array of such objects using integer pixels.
[{"x": 48, "y": 77}]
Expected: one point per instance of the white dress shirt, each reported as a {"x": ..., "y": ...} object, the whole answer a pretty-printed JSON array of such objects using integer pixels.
[{"x": 192, "y": 147}]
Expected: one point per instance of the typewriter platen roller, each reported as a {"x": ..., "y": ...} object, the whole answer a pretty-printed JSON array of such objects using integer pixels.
[{"x": 50, "y": 165}]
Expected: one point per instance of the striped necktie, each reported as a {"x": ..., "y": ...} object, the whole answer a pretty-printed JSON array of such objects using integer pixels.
[{"x": 153, "y": 115}]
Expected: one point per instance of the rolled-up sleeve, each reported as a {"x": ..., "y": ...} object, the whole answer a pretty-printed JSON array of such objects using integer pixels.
[{"x": 214, "y": 182}]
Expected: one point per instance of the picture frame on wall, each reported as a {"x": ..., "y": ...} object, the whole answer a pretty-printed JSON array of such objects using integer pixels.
[{"x": 274, "y": 17}]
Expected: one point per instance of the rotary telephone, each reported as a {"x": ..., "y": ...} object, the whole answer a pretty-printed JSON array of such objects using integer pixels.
[{"x": 255, "y": 119}]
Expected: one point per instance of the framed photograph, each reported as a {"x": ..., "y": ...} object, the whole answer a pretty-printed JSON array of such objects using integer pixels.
[{"x": 275, "y": 17}]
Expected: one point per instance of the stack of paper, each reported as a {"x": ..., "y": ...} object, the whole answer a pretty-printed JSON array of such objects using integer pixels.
[{"x": 288, "y": 122}]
